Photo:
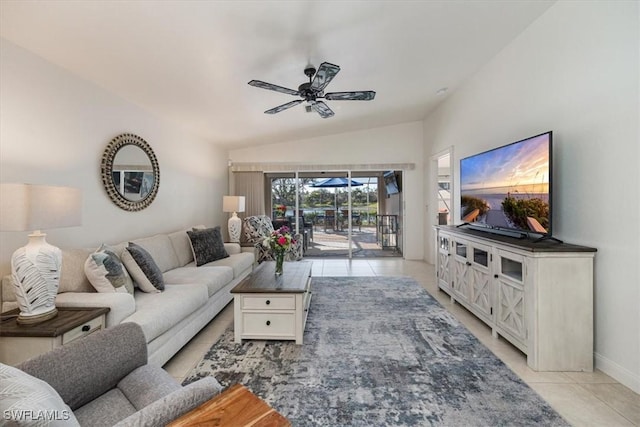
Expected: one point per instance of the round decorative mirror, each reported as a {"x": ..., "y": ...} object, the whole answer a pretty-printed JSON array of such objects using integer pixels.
[{"x": 130, "y": 172}]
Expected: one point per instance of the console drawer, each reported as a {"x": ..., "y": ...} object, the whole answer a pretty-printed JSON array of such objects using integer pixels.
[
  {"x": 83, "y": 330},
  {"x": 284, "y": 302},
  {"x": 269, "y": 324}
]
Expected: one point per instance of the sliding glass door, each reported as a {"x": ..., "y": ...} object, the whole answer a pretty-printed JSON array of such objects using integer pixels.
[{"x": 334, "y": 212}]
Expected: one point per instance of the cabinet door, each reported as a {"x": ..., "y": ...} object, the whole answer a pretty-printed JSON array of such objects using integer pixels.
[
  {"x": 510, "y": 304},
  {"x": 460, "y": 281},
  {"x": 480, "y": 279},
  {"x": 444, "y": 255}
]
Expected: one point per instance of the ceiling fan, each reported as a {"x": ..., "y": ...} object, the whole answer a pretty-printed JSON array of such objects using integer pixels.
[{"x": 314, "y": 90}]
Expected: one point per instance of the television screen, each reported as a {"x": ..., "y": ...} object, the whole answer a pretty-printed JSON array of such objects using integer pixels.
[
  {"x": 391, "y": 183},
  {"x": 509, "y": 187}
]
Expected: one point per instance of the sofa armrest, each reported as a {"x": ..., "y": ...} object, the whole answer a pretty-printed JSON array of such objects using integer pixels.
[
  {"x": 121, "y": 304},
  {"x": 163, "y": 411},
  {"x": 232, "y": 248}
]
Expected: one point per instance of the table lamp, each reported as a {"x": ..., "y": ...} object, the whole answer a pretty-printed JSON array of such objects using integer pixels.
[
  {"x": 233, "y": 204},
  {"x": 36, "y": 267}
]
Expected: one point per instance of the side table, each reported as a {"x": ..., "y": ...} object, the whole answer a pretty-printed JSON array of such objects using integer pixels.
[
  {"x": 21, "y": 342},
  {"x": 236, "y": 406}
]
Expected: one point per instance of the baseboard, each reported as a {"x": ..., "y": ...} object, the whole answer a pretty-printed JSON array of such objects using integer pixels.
[{"x": 619, "y": 373}]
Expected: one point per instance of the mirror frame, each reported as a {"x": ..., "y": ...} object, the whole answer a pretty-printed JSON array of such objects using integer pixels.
[{"x": 106, "y": 170}]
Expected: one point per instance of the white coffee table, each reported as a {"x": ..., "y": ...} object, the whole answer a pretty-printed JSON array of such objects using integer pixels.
[{"x": 270, "y": 307}]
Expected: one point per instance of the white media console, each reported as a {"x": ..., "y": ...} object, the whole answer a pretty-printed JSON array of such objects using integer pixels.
[{"x": 538, "y": 295}]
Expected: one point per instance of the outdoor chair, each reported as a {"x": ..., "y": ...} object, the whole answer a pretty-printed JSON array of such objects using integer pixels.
[
  {"x": 329, "y": 219},
  {"x": 355, "y": 219}
]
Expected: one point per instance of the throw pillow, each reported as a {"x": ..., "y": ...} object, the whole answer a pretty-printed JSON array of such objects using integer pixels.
[
  {"x": 143, "y": 268},
  {"x": 106, "y": 273},
  {"x": 28, "y": 401},
  {"x": 207, "y": 245}
]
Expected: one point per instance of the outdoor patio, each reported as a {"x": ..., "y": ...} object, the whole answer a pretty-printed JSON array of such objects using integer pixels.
[{"x": 332, "y": 243}]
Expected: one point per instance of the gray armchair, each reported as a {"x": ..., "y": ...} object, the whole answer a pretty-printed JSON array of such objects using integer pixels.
[{"x": 105, "y": 380}]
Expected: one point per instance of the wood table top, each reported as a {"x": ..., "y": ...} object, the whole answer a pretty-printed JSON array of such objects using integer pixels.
[
  {"x": 66, "y": 319},
  {"x": 264, "y": 280},
  {"x": 236, "y": 406}
]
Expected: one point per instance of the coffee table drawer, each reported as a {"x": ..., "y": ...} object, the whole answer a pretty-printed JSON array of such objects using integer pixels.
[
  {"x": 269, "y": 324},
  {"x": 284, "y": 302}
]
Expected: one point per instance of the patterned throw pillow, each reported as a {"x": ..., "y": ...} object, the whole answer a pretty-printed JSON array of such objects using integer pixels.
[
  {"x": 207, "y": 245},
  {"x": 143, "y": 268},
  {"x": 257, "y": 228},
  {"x": 106, "y": 273},
  {"x": 22, "y": 393}
]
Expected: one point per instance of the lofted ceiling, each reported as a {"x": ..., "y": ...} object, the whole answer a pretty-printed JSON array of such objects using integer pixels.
[{"x": 189, "y": 61}]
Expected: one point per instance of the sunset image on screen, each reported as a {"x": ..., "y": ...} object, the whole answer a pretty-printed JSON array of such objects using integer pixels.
[{"x": 508, "y": 187}]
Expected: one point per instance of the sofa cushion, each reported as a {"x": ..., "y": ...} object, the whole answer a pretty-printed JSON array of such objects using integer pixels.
[
  {"x": 156, "y": 313},
  {"x": 161, "y": 250},
  {"x": 147, "y": 384},
  {"x": 239, "y": 262},
  {"x": 106, "y": 410},
  {"x": 207, "y": 245},
  {"x": 182, "y": 247},
  {"x": 72, "y": 276},
  {"x": 167, "y": 409},
  {"x": 106, "y": 272},
  {"x": 214, "y": 278},
  {"x": 20, "y": 391},
  {"x": 146, "y": 265},
  {"x": 96, "y": 366}
]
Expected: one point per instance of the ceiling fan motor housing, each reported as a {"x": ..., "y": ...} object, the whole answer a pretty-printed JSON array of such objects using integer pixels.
[{"x": 306, "y": 92}]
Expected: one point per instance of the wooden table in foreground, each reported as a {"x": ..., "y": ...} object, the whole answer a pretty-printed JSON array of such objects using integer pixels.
[
  {"x": 270, "y": 307},
  {"x": 236, "y": 406}
]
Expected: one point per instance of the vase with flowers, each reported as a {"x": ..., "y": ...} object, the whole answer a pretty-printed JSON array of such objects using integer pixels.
[
  {"x": 281, "y": 210},
  {"x": 279, "y": 242}
]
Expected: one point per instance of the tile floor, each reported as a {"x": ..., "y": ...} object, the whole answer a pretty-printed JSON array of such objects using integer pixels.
[{"x": 583, "y": 399}]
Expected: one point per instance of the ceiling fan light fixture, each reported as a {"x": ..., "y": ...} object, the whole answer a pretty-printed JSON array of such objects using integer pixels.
[{"x": 313, "y": 91}]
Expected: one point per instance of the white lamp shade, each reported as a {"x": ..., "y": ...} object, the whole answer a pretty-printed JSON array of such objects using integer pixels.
[
  {"x": 233, "y": 204},
  {"x": 35, "y": 268},
  {"x": 25, "y": 207}
]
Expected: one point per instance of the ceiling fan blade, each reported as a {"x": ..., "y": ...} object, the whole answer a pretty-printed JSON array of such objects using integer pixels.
[
  {"x": 366, "y": 95},
  {"x": 322, "y": 109},
  {"x": 284, "y": 106},
  {"x": 269, "y": 86},
  {"x": 326, "y": 72}
]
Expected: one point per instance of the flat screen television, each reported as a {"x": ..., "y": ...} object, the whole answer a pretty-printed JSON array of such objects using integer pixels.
[
  {"x": 391, "y": 183},
  {"x": 509, "y": 187}
]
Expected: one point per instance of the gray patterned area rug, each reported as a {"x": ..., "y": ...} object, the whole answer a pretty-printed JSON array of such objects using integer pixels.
[{"x": 378, "y": 351}]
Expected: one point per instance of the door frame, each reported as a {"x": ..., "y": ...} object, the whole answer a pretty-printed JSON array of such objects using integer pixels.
[{"x": 433, "y": 196}]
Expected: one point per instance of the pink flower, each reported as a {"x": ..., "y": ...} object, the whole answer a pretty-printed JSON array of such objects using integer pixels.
[{"x": 282, "y": 240}]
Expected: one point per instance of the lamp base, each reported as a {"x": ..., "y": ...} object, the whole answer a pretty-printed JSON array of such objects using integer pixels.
[
  {"x": 35, "y": 269},
  {"x": 25, "y": 319},
  {"x": 235, "y": 224}
]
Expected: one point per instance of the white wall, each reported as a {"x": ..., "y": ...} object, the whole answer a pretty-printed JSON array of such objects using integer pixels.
[
  {"x": 391, "y": 144},
  {"x": 54, "y": 128},
  {"x": 574, "y": 71}
]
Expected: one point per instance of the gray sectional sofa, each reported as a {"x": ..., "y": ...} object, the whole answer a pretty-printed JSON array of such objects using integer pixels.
[{"x": 169, "y": 319}]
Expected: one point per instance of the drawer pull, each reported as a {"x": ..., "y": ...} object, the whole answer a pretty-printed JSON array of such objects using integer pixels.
[
  {"x": 268, "y": 302},
  {"x": 86, "y": 328},
  {"x": 268, "y": 322}
]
